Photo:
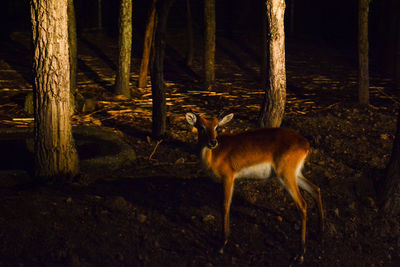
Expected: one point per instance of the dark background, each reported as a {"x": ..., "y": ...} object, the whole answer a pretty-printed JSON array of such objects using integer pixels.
[{"x": 334, "y": 22}]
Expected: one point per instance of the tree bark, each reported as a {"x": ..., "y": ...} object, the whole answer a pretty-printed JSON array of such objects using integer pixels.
[
  {"x": 363, "y": 72},
  {"x": 273, "y": 107},
  {"x": 148, "y": 39},
  {"x": 159, "y": 116},
  {"x": 124, "y": 48},
  {"x": 209, "y": 44},
  {"x": 390, "y": 193},
  {"x": 55, "y": 153},
  {"x": 190, "y": 51}
]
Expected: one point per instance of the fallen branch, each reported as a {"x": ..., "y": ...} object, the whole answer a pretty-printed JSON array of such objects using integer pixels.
[
  {"x": 380, "y": 90},
  {"x": 155, "y": 148}
]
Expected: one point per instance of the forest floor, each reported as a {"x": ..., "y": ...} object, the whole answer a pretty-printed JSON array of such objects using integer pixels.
[{"x": 164, "y": 211}]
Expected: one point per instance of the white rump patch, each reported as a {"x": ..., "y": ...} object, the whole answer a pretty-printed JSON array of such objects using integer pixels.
[
  {"x": 304, "y": 185},
  {"x": 300, "y": 181},
  {"x": 259, "y": 171}
]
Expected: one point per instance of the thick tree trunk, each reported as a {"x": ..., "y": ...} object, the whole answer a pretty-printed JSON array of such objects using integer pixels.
[
  {"x": 159, "y": 124},
  {"x": 55, "y": 153},
  {"x": 124, "y": 47},
  {"x": 273, "y": 108},
  {"x": 390, "y": 193},
  {"x": 148, "y": 39},
  {"x": 190, "y": 51},
  {"x": 209, "y": 44},
  {"x": 363, "y": 73}
]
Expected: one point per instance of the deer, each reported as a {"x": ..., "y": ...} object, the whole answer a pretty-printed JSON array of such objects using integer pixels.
[{"x": 256, "y": 153}]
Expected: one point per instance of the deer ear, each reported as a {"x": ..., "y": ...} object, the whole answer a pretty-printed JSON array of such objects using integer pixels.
[
  {"x": 225, "y": 119},
  {"x": 191, "y": 118}
]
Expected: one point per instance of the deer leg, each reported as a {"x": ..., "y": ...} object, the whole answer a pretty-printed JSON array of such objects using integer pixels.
[
  {"x": 315, "y": 192},
  {"x": 288, "y": 178},
  {"x": 228, "y": 183}
]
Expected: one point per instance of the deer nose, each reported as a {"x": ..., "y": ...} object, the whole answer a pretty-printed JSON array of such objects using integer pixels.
[{"x": 212, "y": 143}]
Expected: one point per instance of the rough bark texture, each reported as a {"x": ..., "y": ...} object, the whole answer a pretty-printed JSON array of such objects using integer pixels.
[
  {"x": 148, "y": 39},
  {"x": 190, "y": 51},
  {"x": 124, "y": 48},
  {"x": 273, "y": 108},
  {"x": 363, "y": 73},
  {"x": 209, "y": 44},
  {"x": 55, "y": 153},
  {"x": 159, "y": 116},
  {"x": 391, "y": 188}
]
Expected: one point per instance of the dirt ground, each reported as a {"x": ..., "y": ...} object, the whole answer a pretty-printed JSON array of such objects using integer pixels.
[{"x": 163, "y": 210}]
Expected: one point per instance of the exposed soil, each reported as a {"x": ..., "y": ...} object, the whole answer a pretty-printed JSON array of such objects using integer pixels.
[{"x": 164, "y": 211}]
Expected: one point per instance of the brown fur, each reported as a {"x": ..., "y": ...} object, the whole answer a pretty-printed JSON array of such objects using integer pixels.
[{"x": 284, "y": 149}]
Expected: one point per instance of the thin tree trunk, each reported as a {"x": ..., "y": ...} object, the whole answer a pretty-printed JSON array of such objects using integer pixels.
[
  {"x": 209, "y": 44},
  {"x": 148, "y": 39},
  {"x": 390, "y": 193},
  {"x": 159, "y": 116},
  {"x": 124, "y": 47},
  {"x": 190, "y": 51},
  {"x": 55, "y": 153},
  {"x": 99, "y": 15},
  {"x": 363, "y": 73},
  {"x": 73, "y": 50},
  {"x": 397, "y": 53},
  {"x": 273, "y": 108}
]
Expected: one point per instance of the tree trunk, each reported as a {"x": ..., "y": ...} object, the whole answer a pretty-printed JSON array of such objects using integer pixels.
[
  {"x": 190, "y": 51},
  {"x": 159, "y": 116},
  {"x": 99, "y": 15},
  {"x": 363, "y": 74},
  {"x": 55, "y": 153},
  {"x": 124, "y": 47},
  {"x": 73, "y": 51},
  {"x": 209, "y": 44},
  {"x": 390, "y": 193},
  {"x": 397, "y": 53},
  {"x": 273, "y": 108},
  {"x": 148, "y": 39}
]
